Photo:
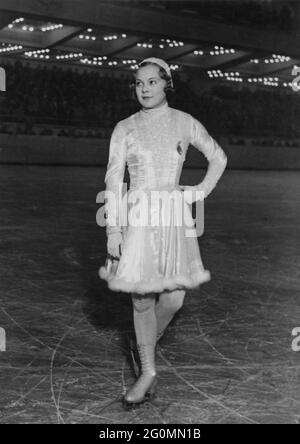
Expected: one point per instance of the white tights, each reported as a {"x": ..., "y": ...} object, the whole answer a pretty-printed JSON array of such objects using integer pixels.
[{"x": 151, "y": 317}]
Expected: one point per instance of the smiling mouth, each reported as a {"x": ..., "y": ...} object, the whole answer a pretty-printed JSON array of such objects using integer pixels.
[{"x": 147, "y": 97}]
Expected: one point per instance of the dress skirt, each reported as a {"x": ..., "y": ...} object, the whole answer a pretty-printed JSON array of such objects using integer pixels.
[{"x": 160, "y": 255}]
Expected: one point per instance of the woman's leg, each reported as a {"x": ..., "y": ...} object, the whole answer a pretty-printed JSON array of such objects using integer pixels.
[
  {"x": 144, "y": 318},
  {"x": 145, "y": 326},
  {"x": 166, "y": 307}
]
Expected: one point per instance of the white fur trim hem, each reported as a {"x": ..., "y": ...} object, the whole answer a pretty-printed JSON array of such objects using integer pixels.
[{"x": 175, "y": 282}]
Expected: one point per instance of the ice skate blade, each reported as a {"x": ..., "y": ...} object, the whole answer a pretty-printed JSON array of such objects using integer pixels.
[{"x": 127, "y": 405}]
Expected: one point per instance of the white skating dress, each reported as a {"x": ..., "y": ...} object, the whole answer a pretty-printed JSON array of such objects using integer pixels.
[{"x": 158, "y": 256}]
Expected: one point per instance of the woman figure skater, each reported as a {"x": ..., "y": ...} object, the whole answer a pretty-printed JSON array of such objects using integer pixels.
[{"x": 155, "y": 264}]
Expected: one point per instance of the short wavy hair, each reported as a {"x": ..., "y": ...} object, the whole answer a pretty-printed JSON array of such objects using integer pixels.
[{"x": 169, "y": 89}]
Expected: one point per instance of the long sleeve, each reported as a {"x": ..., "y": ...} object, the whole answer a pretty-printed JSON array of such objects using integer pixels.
[
  {"x": 216, "y": 157},
  {"x": 114, "y": 178}
]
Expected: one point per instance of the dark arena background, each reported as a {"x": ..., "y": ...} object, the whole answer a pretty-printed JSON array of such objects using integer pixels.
[{"x": 232, "y": 353}]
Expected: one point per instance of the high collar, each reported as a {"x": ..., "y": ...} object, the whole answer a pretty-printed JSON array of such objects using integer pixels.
[{"x": 155, "y": 111}]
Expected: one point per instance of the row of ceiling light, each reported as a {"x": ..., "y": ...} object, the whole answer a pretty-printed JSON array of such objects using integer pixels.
[
  {"x": 38, "y": 54},
  {"x": 277, "y": 59},
  {"x": 161, "y": 44},
  {"x": 11, "y": 48},
  {"x": 231, "y": 76},
  {"x": 274, "y": 59},
  {"x": 15, "y": 22},
  {"x": 218, "y": 50},
  {"x": 267, "y": 81},
  {"x": 106, "y": 37},
  {"x": 29, "y": 28},
  {"x": 97, "y": 61},
  {"x": 51, "y": 27},
  {"x": 287, "y": 84},
  {"x": 44, "y": 53},
  {"x": 236, "y": 77}
]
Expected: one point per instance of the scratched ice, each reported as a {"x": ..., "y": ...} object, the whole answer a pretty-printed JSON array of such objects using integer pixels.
[{"x": 227, "y": 356}]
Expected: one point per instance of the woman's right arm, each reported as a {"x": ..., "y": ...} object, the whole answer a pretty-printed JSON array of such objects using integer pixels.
[{"x": 113, "y": 192}]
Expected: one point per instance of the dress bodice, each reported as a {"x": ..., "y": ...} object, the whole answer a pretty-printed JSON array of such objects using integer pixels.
[{"x": 155, "y": 149}]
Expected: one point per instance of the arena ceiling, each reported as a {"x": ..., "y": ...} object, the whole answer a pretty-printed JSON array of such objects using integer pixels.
[{"x": 119, "y": 34}]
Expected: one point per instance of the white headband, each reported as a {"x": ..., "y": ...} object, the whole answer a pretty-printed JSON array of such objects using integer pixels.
[{"x": 161, "y": 63}]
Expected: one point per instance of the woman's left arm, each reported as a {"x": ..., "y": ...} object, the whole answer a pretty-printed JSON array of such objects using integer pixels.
[{"x": 217, "y": 159}]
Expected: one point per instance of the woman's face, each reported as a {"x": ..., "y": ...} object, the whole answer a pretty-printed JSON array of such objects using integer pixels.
[{"x": 149, "y": 87}]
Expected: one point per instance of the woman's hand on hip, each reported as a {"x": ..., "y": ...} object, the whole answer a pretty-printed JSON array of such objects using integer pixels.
[{"x": 192, "y": 193}]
